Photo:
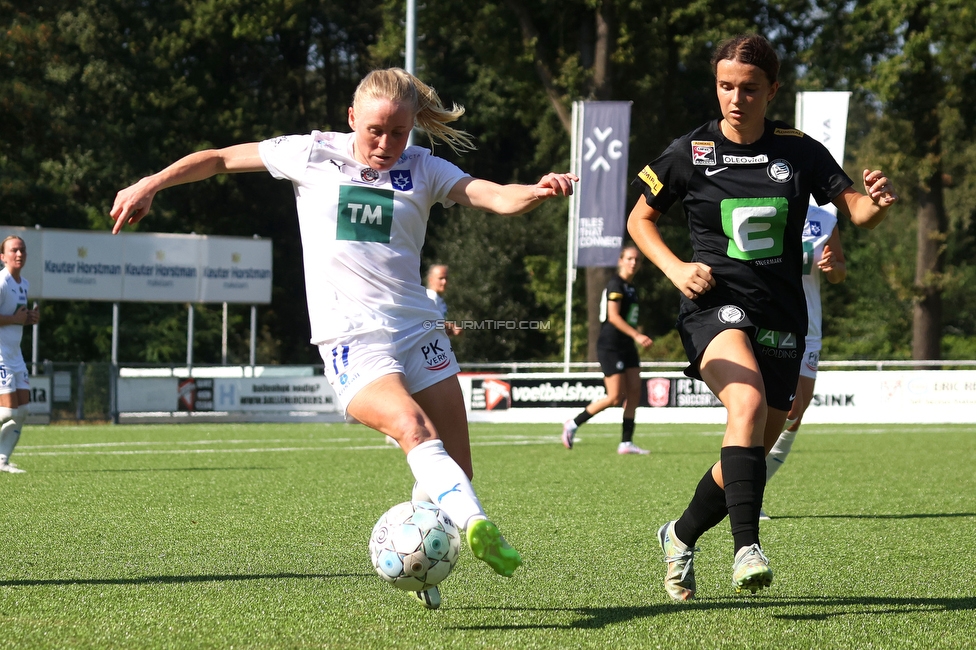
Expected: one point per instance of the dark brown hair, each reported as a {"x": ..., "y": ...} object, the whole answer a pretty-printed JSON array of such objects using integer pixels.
[{"x": 752, "y": 49}]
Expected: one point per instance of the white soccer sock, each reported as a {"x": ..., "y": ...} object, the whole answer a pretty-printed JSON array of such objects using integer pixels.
[
  {"x": 9, "y": 432},
  {"x": 439, "y": 476},
  {"x": 418, "y": 494},
  {"x": 777, "y": 455}
]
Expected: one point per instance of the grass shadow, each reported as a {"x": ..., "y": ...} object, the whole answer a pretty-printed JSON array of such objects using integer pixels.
[
  {"x": 920, "y": 515},
  {"x": 595, "y": 618},
  {"x": 165, "y": 580}
]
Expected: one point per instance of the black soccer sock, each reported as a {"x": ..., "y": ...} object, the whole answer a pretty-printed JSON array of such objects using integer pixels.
[
  {"x": 744, "y": 472},
  {"x": 706, "y": 510},
  {"x": 628, "y": 431},
  {"x": 582, "y": 418}
]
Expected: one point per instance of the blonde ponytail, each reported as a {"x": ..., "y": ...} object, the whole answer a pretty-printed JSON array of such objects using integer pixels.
[{"x": 398, "y": 85}]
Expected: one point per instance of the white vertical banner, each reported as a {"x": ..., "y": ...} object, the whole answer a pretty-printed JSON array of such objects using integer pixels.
[
  {"x": 600, "y": 141},
  {"x": 822, "y": 115}
]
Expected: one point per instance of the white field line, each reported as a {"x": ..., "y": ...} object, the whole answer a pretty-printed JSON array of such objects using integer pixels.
[{"x": 341, "y": 444}]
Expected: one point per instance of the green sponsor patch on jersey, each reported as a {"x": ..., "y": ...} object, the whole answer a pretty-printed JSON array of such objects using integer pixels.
[
  {"x": 632, "y": 315},
  {"x": 365, "y": 214},
  {"x": 755, "y": 227}
]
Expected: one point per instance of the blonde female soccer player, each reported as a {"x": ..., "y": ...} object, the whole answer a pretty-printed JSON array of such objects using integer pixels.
[{"x": 363, "y": 201}]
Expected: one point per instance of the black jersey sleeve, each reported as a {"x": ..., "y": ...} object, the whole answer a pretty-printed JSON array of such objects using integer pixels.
[
  {"x": 660, "y": 181},
  {"x": 829, "y": 177},
  {"x": 615, "y": 288}
]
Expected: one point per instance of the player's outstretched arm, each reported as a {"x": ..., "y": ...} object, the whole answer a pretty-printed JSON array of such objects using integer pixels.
[
  {"x": 133, "y": 203},
  {"x": 869, "y": 209},
  {"x": 513, "y": 199}
]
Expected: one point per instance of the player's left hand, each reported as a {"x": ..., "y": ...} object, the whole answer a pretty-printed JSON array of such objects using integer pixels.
[
  {"x": 826, "y": 263},
  {"x": 879, "y": 188},
  {"x": 553, "y": 184}
]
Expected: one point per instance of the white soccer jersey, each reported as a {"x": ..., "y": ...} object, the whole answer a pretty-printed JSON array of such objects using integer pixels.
[
  {"x": 817, "y": 229},
  {"x": 13, "y": 296},
  {"x": 362, "y": 231},
  {"x": 439, "y": 302}
]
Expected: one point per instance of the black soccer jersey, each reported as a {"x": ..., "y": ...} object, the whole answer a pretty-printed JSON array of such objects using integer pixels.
[
  {"x": 746, "y": 204},
  {"x": 621, "y": 291}
]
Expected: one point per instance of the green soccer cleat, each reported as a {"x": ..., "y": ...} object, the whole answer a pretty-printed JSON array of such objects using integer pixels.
[
  {"x": 429, "y": 598},
  {"x": 488, "y": 545},
  {"x": 679, "y": 581},
  {"x": 751, "y": 570}
]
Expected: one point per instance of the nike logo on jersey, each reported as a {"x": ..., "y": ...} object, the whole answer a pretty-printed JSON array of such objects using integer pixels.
[
  {"x": 711, "y": 172},
  {"x": 792, "y": 397}
]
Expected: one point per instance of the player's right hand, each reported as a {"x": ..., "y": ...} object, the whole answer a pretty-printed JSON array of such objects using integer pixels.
[
  {"x": 693, "y": 279},
  {"x": 131, "y": 205}
]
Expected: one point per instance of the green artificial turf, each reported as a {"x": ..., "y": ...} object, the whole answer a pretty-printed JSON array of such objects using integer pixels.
[{"x": 254, "y": 536}]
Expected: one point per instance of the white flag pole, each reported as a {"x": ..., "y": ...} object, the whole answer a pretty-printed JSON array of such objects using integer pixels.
[{"x": 571, "y": 235}]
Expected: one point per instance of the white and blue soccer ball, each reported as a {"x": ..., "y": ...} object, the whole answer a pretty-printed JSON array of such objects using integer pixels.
[{"x": 414, "y": 545}]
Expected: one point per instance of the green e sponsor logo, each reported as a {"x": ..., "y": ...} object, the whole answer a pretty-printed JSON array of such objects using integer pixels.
[
  {"x": 365, "y": 214},
  {"x": 632, "y": 316},
  {"x": 754, "y": 227}
]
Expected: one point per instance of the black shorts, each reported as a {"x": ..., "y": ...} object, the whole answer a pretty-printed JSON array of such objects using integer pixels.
[
  {"x": 778, "y": 354},
  {"x": 614, "y": 361}
]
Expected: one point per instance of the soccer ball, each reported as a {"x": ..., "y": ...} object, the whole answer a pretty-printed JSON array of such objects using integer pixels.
[{"x": 414, "y": 545}]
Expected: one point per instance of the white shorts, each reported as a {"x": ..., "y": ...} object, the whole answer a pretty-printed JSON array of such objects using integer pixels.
[
  {"x": 423, "y": 356},
  {"x": 13, "y": 377},
  {"x": 811, "y": 357}
]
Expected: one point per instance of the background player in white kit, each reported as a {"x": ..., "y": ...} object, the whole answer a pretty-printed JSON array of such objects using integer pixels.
[
  {"x": 363, "y": 201},
  {"x": 822, "y": 256},
  {"x": 14, "y": 315}
]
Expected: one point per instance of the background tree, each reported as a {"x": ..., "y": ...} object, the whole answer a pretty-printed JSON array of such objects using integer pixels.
[{"x": 913, "y": 60}]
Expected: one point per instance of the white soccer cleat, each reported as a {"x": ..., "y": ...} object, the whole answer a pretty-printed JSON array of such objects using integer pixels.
[
  {"x": 679, "y": 581},
  {"x": 630, "y": 448},
  {"x": 569, "y": 433},
  {"x": 751, "y": 571},
  {"x": 763, "y": 516},
  {"x": 11, "y": 469}
]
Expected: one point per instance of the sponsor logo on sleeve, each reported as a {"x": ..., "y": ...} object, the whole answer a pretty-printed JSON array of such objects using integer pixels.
[
  {"x": 796, "y": 133},
  {"x": 648, "y": 176}
]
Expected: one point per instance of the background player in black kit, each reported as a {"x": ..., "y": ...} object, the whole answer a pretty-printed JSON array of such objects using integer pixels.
[
  {"x": 745, "y": 183},
  {"x": 617, "y": 353}
]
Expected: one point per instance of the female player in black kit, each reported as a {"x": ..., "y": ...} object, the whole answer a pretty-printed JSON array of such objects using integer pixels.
[
  {"x": 617, "y": 352},
  {"x": 745, "y": 183}
]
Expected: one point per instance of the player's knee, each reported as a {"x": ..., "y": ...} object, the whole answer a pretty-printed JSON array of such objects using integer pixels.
[
  {"x": 7, "y": 414},
  {"x": 20, "y": 414},
  {"x": 410, "y": 429}
]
